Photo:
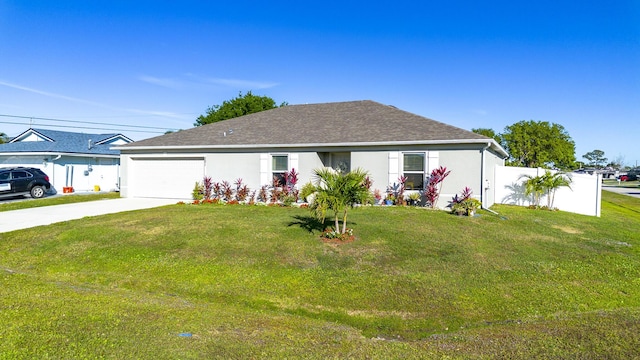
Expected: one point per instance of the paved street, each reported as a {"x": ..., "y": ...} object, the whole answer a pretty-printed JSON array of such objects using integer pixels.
[{"x": 631, "y": 191}]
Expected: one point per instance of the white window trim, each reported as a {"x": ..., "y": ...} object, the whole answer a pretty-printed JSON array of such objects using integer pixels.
[
  {"x": 266, "y": 165},
  {"x": 424, "y": 166}
]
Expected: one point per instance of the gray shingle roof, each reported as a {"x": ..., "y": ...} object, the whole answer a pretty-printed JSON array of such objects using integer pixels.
[
  {"x": 353, "y": 122},
  {"x": 64, "y": 142}
]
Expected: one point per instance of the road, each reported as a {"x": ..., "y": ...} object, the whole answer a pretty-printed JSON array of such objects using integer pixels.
[{"x": 631, "y": 191}]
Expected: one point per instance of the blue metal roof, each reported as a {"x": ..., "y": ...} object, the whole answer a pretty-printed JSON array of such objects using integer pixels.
[{"x": 64, "y": 142}]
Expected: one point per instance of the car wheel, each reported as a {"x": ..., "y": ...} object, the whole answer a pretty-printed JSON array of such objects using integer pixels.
[{"x": 37, "y": 192}]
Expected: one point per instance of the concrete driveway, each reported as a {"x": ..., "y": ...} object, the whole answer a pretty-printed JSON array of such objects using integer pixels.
[
  {"x": 45, "y": 215},
  {"x": 631, "y": 191}
]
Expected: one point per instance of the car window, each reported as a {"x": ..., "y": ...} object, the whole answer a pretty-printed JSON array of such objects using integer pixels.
[
  {"x": 4, "y": 175},
  {"x": 19, "y": 174}
]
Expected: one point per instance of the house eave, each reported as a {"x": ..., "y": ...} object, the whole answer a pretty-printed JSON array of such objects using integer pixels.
[
  {"x": 490, "y": 142},
  {"x": 56, "y": 153}
]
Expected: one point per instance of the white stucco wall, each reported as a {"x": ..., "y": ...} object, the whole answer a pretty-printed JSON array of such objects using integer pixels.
[
  {"x": 374, "y": 162},
  {"x": 383, "y": 166},
  {"x": 231, "y": 166},
  {"x": 307, "y": 162}
]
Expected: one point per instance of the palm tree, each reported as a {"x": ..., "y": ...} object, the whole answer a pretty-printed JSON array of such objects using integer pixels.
[
  {"x": 338, "y": 192},
  {"x": 534, "y": 185},
  {"x": 546, "y": 184},
  {"x": 552, "y": 182}
]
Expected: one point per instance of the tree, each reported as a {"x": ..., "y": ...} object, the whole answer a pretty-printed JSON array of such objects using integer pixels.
[
  {"x": 552, "y": 182},
  {"x": 490, "y": 133},
  {"x": 546, "y": 184},
  {"x": 539, "y": 144},
  {"x": 596, "y": 158},
  {"x": 534, "y": 185},
  {"x": 239, "y": 106},
  {"x": 3, "y": 138},
  {"x": 337, "y": 191},
  {"x": 617, "y": 163}
]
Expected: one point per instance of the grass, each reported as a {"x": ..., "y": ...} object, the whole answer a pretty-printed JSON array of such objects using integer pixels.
[
  {"x": 209, "y": 281},
  {"x": 622, "y": 184},
  {"x": 56, "y": 200}
]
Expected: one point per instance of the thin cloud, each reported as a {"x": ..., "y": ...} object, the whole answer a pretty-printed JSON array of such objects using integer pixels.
[
  {"x": 242, "y": 84},
  {"x": 199, "y": 81},
  {"x": 93, "y": 103},
  {"x": 168, "y": 83},
  {"x": 50, "y": 94},
  {"x": 166, "y": 114}
]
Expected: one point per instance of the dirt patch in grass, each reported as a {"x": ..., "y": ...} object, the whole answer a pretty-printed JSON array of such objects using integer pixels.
[{"x": 567, "y": 229}]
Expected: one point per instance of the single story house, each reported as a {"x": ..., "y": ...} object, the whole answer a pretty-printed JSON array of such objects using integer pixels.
[
  {"x": 383, "y": 140},
  {"x": 78, "y": 160}
]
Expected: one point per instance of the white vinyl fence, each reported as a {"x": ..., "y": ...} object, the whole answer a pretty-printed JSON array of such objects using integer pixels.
[{"x": 583, "y": 197}]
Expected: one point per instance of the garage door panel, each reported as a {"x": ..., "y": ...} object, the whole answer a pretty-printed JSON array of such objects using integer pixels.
[{"x": 165, "y": 178}]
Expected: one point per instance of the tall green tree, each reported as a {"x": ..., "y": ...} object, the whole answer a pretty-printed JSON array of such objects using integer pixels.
[
  {"x": 490, "y": 133},
  {"x": 338, "y": 192},
  {"x": 236, "y": 107},
  {"x": 596, "y": 158},
  {"x": 539, "y": 144}
]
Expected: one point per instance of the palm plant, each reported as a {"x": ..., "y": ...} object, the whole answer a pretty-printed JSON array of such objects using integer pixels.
[
  {"x": 546, "y": 184},
  {"x": 534, "y": 185},
  {"x": 552, "y": 182},
  {"x": 338, "y": 192}
]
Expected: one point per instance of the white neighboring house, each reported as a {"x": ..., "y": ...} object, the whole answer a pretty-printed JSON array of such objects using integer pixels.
[
  {"x": 383, "y": 140},
  {"x": 71, "y": 159}
]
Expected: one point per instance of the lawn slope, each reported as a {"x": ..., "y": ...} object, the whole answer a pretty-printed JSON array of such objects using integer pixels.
[{"x": 207, "y": 281}]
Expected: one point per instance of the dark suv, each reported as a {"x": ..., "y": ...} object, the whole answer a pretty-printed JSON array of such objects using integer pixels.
[
  {"x": 633, "y": 174},
  {"x": 22, "y": 181}
]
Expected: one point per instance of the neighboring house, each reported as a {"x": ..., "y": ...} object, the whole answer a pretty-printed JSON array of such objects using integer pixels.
[
  {"x": 383, "y": 140},
  {"x": 78, "y": 160}
]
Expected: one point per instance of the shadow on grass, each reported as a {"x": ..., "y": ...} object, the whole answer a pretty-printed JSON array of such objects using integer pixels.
[
  {"x": 309, "y": 223},
  {"x": 312, "y": 224}
]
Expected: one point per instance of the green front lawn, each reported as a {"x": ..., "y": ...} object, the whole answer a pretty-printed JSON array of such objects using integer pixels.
[{"x": 210, "y": 281}]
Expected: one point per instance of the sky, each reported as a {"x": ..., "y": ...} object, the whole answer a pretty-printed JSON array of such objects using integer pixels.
[{"x": 144, "y": 67}]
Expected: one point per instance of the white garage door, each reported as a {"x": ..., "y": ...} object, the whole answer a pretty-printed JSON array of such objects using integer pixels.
[{"x": 165, "y": 178}]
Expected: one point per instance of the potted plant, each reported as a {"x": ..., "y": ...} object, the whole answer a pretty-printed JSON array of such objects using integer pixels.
[
  {"x": 414, "y": 199},
  {"x": 390, "y": 199},
  {"x": 466, "y": 207},
  {"x": 378, "y": 196}
]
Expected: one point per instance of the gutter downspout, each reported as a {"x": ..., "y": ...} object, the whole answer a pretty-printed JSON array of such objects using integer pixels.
[{"x": 483, "y": 191}]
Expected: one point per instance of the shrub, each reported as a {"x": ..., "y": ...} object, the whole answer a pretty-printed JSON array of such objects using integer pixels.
[{"x": 434, "y": 186}]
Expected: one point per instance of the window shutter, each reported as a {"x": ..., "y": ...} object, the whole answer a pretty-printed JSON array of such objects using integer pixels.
[
  {"x": 433, "y": 161},
  {"x": 265, "y": 169},
  {"x": 394, "y": 166},
  {"x": 293, "y": 162}
]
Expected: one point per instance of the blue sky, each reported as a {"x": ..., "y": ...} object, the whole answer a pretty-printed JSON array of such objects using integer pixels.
[{"x": 470, "y": 64}]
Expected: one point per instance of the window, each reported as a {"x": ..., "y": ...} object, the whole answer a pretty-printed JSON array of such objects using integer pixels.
[
  {"x": 413, "y": 170},
  {"x": 20, "y": 175},
  {"x": 279, "y": 165},
  {"x": 4, "y": 175}
]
